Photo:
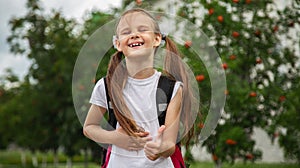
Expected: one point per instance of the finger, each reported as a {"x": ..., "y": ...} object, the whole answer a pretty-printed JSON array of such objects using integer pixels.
[
  {"x": 161, "y": 128},
  {"x": 141, "y": 145},
  {"x": 150, "y": 157},
  {"x": 142, "y": 141},
  {"x": 136, "y": 146},
  {"x": 142, "y": 134},
  {"x": 149, "y": 152},
  {"x": 151, "y": 148},
  {"x": 160, "y": 133},
  {"x": 145, "y": 139}
]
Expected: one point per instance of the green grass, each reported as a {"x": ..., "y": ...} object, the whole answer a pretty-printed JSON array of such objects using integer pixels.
[
  {"x": 76, "y": 165},
  {"x": 12, "y": 159},
  {"x": 247, "y": 165},
  {"x": 197, "y": 165}
]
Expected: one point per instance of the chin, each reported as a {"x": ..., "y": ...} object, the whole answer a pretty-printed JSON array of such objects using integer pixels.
[{"x": 139, "y": 53}]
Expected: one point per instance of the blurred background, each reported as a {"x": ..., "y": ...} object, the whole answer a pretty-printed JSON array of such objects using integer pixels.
[{"x": 257, "y": 41}]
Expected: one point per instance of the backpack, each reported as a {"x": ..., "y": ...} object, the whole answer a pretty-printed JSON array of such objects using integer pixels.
[{"x": 163, "y": 96}]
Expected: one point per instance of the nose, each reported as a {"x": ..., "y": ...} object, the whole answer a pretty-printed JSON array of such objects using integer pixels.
[{"x": 134, "y": 35}]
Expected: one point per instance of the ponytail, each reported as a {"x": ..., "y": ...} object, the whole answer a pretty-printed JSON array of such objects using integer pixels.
[
  {"x": 174, "y": 65},
  {"x": 116, "y": 80}
]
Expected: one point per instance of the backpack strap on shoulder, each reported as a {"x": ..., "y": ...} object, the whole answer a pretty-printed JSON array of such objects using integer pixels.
[
  {"x": 164, "y": 93},
  {"x": 112, "y": 120},
  {"x": 163, "y": 96}
]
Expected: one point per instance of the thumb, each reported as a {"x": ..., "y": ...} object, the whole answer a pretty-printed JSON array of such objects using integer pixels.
[{"x": 160, "y": 133}]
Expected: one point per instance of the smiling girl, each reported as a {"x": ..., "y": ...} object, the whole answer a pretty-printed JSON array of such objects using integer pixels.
[{"x": 139, "y": 140}]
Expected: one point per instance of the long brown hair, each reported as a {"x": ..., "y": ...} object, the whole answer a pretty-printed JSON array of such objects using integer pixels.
[{"x": 117, "y": 76}]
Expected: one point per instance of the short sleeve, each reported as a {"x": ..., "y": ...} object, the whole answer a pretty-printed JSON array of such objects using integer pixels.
[
  {"x": 176, "y": 87},
  {"x": 98, "y": 96}
]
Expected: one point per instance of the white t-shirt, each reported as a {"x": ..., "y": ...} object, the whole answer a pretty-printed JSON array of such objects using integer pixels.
[{"x": 140, "y": 97}]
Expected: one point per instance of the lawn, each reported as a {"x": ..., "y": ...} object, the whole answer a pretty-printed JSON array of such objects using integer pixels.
[
  {"x": 12, "y": 159},
  {"x": 197, "y": 165},
  {"x": 248, "y": 165}
]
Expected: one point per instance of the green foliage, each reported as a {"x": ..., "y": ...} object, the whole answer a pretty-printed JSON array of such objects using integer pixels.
[
  {"x": 286, "y": 127},
  {"x": 42, "y": 104},
  {"x": 247, "y": 36},
  {"x": 8, "y": 120}
]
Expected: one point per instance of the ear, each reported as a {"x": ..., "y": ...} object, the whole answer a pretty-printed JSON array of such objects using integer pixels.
[
  {"x": 117, "y": 45},
  {"x": 157, "y": 40}
]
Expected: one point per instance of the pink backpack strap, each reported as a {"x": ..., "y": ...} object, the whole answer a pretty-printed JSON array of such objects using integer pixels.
[
  {"x": 177, "y": 158},
  {"x": 107, "y": 157}
]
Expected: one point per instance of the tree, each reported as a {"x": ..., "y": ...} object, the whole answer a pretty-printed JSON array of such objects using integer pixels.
[
  {"x": 247, "y": 35},
  {"x": 285, "y": 126},
  {"x": 8, "y": 91},
  {"x": 52, "y": 44},
  {"x": 88, "y": 69}
]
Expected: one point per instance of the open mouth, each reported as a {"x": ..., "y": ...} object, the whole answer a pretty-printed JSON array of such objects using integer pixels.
[{"x": 136, "y": 44}]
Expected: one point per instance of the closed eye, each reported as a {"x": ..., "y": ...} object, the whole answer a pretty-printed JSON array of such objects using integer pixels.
[
  {"x": 125, "y": 32},
  {"x": 143, "y": 29}
]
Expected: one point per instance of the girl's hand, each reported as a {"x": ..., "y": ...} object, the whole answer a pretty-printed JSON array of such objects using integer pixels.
[
  {"x": 153, "y": 148},
  {"x": 131, "y": 143}
]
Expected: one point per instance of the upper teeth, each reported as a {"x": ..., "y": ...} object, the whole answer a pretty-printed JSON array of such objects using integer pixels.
[{"x": 135, "y": 44}]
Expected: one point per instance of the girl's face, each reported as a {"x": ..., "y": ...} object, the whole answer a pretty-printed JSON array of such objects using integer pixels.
[{"x": 136, "y": 35}]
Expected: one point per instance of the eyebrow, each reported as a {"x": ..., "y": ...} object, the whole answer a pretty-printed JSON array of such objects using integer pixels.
[{"x": 144, "y": 26}]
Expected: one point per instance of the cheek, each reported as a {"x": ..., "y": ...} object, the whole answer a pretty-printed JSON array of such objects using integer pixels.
[{"x": 123, "y": 43}]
